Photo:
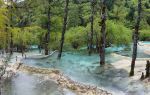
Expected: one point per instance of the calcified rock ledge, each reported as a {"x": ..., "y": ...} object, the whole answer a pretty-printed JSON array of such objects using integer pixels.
[
  {"x": 63, "y": 81},
  {"x": 6, "y": 71}
]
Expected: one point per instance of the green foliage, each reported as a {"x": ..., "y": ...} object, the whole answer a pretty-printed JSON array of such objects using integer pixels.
[
  {"x": 27, "y": 35},
  {"x": 3, "y": 40},
  {"x": 117, "y": 33},
  {"x": 30, "y": 22},
  {"x": 54, "y": 40},
  {"x": 3, "y": 22},
  {"x": 76, "y": 37},
  {"x": 145, "y": 35}
]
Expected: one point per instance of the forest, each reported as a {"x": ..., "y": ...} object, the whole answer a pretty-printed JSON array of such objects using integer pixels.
[{"x": 74, "y": 47}]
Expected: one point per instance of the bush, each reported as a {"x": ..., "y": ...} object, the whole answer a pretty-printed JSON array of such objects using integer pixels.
[
  {"x": 117, "y": 33},
  {"x": 145, "y": 35},
  {"x": 54, "y": 42},
  {"x": 76, "y": 37}
]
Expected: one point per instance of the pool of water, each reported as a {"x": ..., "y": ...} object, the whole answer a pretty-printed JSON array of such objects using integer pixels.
[
  {"x": 146, "y": 42},
  {"x": 83, "y": 68},
  {"x": 143, "y": 48},
  {"x": 79, "y": 67},
  {"x": 28, "y": 84}
]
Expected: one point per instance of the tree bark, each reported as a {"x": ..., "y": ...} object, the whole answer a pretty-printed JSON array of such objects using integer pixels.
[
  {"x": 47, "y": 35},
  {"x": 80, "y": 12},
  {"x": 135, "y": 39},
  {"x": 103, "y": 33},
  {"x": 147, "y": 69},
  {"x": 92, "y": 30},
  {"x": 97, "y": 42},
  {"x": 142, "y": 76},
  {"x": 63, "y": 29},
  {"x": 11, "y": 44},
  {"x": 11, "y": 35}
]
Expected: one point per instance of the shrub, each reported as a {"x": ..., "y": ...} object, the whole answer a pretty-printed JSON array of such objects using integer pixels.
[{"x": 145, "y": 35}]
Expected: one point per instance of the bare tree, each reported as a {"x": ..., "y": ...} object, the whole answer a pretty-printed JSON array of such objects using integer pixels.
[
  {"x": 135, "y": 38},
  {"x": 64, "y": 28}
]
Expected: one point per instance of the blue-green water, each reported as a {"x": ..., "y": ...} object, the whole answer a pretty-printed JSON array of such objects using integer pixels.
[{"x": 83, "y": 68}]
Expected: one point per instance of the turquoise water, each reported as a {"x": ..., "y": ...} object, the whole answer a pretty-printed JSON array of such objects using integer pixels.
[
  {"x": 79, "y": 67},
  {"x": 83, "y": 68},
  {"x": 146, "y": 42}
]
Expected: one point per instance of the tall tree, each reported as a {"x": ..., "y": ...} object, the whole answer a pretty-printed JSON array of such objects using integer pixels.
[
  {"x": 92, "y": 30},
  {"x": 64, "y": 28},
  {"x": 11, "y": 7},
  {"x": 80, "y": 13},
  {"x": 135, "y": 38},
  {"x": 47, "y": 35},
  {"x": 3, "y": 25},
  {"x": 11, "y": 25},
  {"x": 103, "y": 32}
]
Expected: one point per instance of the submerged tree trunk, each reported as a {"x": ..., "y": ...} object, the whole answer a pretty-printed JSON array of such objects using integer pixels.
[
  {"x": 92, "y": 30},
  {"x": 135, "y": 39},
  {"x": 103, "y": 32},
  {"x": 22, "y": 50},
  {"x": 47, "y": 35},
  {"x": 64, "y": 29}
]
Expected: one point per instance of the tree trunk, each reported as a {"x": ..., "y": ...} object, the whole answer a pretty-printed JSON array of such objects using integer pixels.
[
  {"x": 92, "y": 30},
  {"x": 80, "y": 12},
  {"x": 142, "y": 76},
  {"x": 64, "y": 29},
  {"x": 97, "y": 42},
  {"x": 11, "y": 35},
  {"x": 22, "y": 50},
  {"x": 147, "y": 69},
  {"x": 7, "y": 40},
  {"x": 11, "y": 44},
  {"x": 39, "y": 47},
  {"x": 47, "y": 36},
  {"x": 103, "y": 32},
  {"x": 135, "y": 39}
]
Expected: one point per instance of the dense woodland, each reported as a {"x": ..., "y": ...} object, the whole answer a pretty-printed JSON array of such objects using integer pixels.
[{"x": 72, "y": 24}]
